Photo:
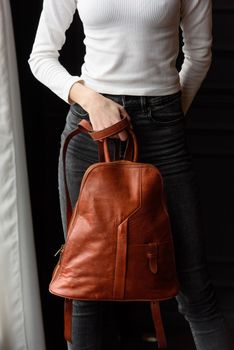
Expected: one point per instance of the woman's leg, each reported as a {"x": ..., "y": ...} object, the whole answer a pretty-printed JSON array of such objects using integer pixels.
[
  {"x": 87, "y": 316},
  {"x": 161, "y": 138}
]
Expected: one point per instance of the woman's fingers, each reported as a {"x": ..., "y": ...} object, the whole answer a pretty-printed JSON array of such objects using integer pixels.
[
  {"x": 104, "y": 112},
  {"x": 124, "y": 113},
  {"x": 123, "y": 135}
]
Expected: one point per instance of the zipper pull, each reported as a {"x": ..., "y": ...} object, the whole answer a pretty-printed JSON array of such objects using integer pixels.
[{"x": 60, "y": 250}]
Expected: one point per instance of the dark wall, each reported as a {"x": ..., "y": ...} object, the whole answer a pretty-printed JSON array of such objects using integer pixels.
[
  {"x": 211, "y": 137},
  {"x": 210, "y": 132}
]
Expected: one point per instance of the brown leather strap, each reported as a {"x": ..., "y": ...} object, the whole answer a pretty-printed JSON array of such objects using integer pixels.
[
  {"x": 111, "y": 130},
  {"x": 83, "y": 127},
  {"x": 131, "y": 150},
  {"x": 158, "y": 325},
  {"x": 152, "y": 255},
  {"x": 68, "y": 319},
  {"x": 100, "y": 152}
]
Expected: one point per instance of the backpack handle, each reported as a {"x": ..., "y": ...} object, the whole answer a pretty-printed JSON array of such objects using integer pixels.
[
  {"x": 84, "y": 126},
  {"x": 131, "y": 151}
]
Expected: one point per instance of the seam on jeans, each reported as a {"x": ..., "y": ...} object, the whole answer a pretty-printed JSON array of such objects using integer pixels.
[{"x": 165, "y": 123}]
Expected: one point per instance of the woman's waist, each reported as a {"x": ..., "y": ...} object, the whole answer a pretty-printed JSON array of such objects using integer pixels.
[{"x": 129, "y": 95}]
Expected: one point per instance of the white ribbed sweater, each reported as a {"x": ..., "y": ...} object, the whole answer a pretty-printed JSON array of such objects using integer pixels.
[{"x": 131, "y": 46}]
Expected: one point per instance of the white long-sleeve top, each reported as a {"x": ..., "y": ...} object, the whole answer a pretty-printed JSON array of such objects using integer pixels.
[{"x": 131, "y": 46}]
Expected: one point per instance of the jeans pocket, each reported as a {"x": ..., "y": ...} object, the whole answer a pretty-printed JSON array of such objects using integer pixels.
[
  {"x": 72, "y": 121},
  {"x": 78, "y": 110},
  {"x": 167, "y": 110},
  {"x": 75, "y": 114}
]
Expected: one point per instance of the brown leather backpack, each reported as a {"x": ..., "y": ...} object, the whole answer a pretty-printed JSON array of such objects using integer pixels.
[{"x": 119, "y": 244}]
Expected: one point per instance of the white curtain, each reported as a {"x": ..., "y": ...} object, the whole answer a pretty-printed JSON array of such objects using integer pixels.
[{"x": 20, "y": 310}]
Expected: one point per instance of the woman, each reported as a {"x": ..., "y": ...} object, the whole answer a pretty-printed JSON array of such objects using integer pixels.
[{"x": 129, "y": 69}]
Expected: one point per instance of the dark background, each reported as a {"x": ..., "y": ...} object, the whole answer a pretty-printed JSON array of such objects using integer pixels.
[{"x": 210, "y": 132}]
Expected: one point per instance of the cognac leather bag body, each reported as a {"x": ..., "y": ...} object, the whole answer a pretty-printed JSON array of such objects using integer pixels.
[{"x": 119, "y": 244}]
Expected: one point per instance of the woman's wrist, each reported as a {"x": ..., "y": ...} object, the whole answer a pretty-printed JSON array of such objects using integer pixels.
[{"x": 81, "y": 94}]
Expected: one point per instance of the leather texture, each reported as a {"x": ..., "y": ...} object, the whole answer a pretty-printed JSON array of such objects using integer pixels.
[{"x": 119, "y": 243}]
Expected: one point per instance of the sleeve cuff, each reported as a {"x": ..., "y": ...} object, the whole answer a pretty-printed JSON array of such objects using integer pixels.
[{"x": 67, "y": 87}]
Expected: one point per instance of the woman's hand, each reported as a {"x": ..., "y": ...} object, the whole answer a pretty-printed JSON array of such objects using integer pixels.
[{"x": 103, "y": 112}]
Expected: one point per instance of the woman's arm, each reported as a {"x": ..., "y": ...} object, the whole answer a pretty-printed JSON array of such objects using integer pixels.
[
  {"x": 196, "y": 25},
  {"x": 55, "y": 19}
]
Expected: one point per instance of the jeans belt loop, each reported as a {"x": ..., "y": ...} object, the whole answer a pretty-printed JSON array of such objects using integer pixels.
[
  {"x": 123, "y": 100},
  {"x": 143, "y": 103}
]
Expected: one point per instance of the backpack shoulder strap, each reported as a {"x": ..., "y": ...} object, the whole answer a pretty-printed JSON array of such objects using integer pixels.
[
  {"x": 68, "y": 319},
  {"x": 158, "y": 325}
]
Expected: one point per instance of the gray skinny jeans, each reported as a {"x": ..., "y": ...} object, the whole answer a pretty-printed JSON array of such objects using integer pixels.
[{"x": 158, "y": 122}]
